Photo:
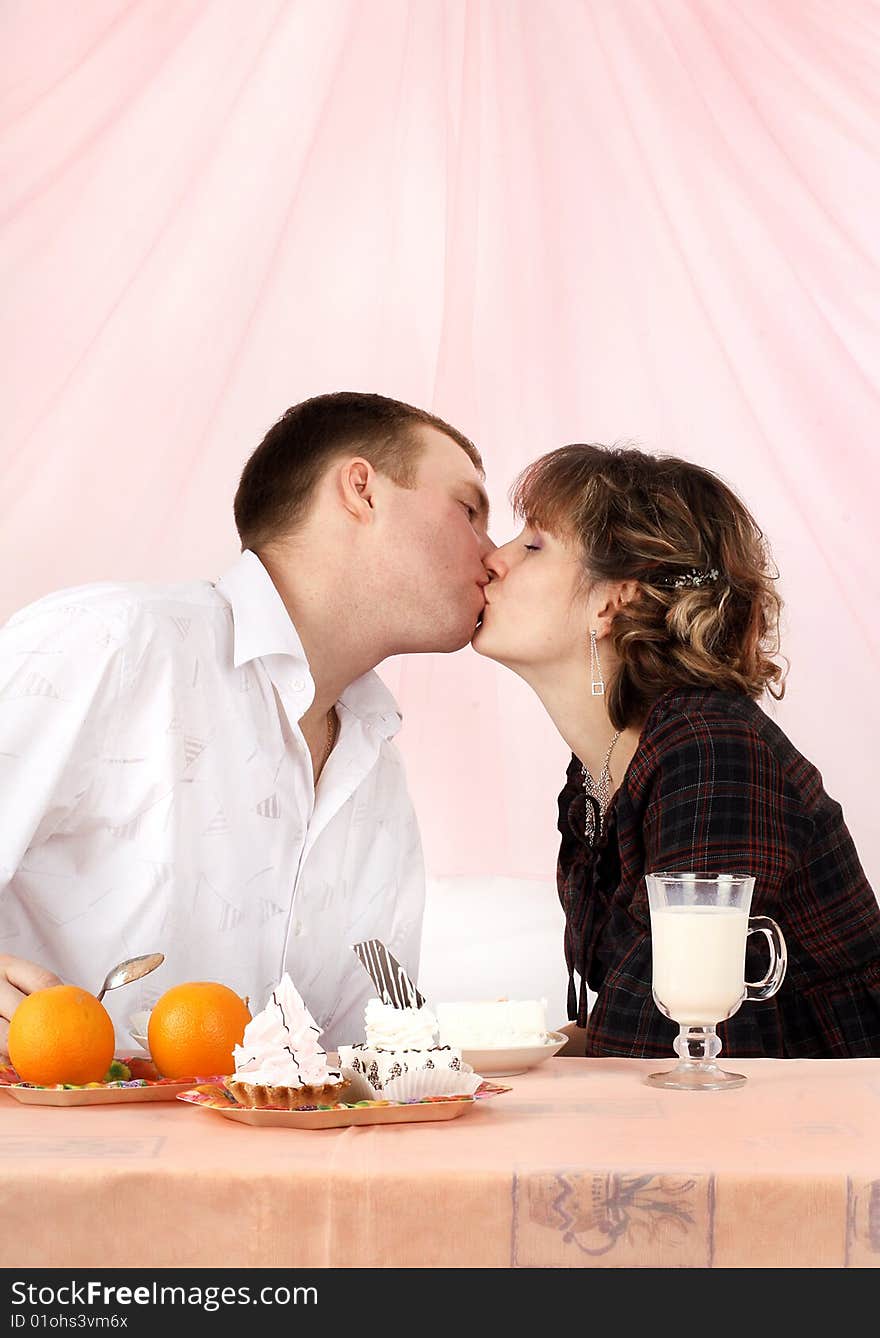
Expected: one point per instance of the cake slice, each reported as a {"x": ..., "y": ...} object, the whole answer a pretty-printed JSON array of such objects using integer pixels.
[{"x": 502, "y": 1024}]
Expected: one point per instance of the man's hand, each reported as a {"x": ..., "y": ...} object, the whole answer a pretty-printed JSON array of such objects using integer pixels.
[{"x": 17, "y": 979}]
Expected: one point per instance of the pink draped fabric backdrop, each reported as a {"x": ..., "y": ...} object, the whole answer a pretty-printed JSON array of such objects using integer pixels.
[{"x": 653, "y": 221}]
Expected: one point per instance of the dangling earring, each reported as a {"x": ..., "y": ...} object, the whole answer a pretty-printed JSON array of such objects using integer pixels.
[
  {"x": 597, "y": 792},
  {"x": 597, "y": 681}
]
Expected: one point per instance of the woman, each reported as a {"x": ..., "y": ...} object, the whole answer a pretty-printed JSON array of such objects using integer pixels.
[{"x": 638, "y": 604}]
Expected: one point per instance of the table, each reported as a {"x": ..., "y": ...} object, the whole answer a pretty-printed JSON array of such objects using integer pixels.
[{"x": 580, "y": 1165}]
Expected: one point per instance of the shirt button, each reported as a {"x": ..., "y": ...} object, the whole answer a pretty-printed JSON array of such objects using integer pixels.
[
  {"x": 298, "y": 929},
  {"x": 298, "y": 685}
]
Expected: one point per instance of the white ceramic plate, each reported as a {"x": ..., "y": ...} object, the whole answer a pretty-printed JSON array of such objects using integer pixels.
[
  {"x": 137, "y": 1027},
  {"x": 515, "y": 1059}
]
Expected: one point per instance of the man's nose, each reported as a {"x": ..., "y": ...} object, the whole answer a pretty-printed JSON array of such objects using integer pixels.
[{"x": 487, "y": 548}]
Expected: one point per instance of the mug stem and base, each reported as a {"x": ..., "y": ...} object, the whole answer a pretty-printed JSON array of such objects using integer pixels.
[{"x": 697, "y": 1048}]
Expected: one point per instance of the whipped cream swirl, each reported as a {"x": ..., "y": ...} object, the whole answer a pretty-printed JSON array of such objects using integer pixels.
[
  {"x": 390, "y": 1028},
  {"x": 280, "y": 1045}
]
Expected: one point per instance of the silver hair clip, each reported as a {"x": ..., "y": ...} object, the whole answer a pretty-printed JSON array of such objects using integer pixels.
[{"x": 690, "y": 579}]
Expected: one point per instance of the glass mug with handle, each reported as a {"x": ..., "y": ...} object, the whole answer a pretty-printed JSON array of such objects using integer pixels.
[{"x": 699, "y": 926}]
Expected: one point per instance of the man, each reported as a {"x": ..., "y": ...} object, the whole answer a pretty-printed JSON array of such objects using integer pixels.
[{"x": 207, "y": 770}]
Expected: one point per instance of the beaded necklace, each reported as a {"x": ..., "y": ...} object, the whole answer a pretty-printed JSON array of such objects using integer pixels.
[{"x": 600, "y": 790}]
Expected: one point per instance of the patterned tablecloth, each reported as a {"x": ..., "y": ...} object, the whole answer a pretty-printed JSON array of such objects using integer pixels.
[{"x": 579, "y": 1165}]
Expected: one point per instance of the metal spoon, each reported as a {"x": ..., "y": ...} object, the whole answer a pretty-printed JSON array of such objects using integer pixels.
[{"x": 131, "y": 969}]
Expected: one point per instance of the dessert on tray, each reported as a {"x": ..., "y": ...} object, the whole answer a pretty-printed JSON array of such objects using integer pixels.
[
  {"x": 499, "y": 1024},
  {"x": 280, "y": 1064},
  {"x": 398, "y": 1041}
]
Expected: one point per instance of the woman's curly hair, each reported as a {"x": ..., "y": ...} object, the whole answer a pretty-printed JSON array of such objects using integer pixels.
[{"x": 653, "y": 519}]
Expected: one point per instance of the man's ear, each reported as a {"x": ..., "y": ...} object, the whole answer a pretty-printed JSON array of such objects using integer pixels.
[{"x": 356, "y": 483}]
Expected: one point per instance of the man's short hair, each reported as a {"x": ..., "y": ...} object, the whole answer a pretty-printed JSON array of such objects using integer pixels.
[{"x": 279, "y": 479}]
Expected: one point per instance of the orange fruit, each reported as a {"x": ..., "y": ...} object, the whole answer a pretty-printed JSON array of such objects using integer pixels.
[
  {"x": 193, "y": 1028},
  {"x": 61, "y": 1034}
]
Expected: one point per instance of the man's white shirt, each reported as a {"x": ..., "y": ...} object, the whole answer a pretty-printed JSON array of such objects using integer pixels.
[{"x": 156, "y": 795}]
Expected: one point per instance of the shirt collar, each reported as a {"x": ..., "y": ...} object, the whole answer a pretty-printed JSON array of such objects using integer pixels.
[{"x": 262, "y": 627}]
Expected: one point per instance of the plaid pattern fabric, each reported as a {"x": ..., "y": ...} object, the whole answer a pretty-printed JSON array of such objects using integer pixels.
[{"x": 716, "y": 786}]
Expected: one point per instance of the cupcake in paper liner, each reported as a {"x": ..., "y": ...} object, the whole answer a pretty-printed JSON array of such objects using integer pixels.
[
  {"x": 390, "y": 1028},
  {"x": 280, "y": 1065},
  {"x": 419, "y": 1084},
  {"x": 398, "y": 1041},
  {"x": 358, "y": 1088},
  {"x": 380, "y": 1067}
]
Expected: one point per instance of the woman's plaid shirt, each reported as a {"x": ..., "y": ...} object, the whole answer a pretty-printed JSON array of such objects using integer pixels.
[{"x": 716, "y": 786}]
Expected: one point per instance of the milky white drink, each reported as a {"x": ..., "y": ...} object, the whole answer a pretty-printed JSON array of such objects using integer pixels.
[{"x": 699, "y": 961}]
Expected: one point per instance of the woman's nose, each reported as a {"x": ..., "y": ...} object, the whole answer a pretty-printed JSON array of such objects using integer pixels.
[{"x": 496, "y": 563}]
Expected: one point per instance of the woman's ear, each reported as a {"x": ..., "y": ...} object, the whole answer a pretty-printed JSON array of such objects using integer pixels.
[
  {"x": 615, "y": 595},
  {"x": 627, "y": 591}
]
